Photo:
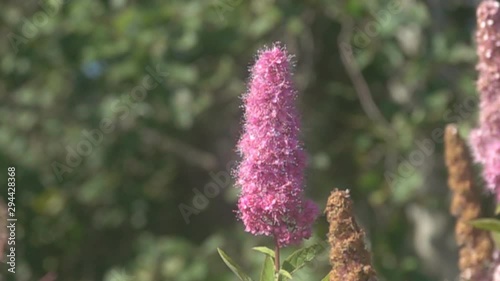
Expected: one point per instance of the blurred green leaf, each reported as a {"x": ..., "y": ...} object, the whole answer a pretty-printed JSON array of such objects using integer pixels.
[
  {"x": 487, "y": 224},
  {"x": 267, "y": 273},
  {"x": 285, "y": 274},
  {"x": 265, "y": 250},
  {"x": 301, "y": 257},
  {"x": 233, "y": 266}
]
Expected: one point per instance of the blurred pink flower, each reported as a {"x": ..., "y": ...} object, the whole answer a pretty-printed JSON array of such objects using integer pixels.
[
  {"x": 271, "y": 173},
  {"x": 492, "y": 272},
  {"x": 485, "y": 139}
]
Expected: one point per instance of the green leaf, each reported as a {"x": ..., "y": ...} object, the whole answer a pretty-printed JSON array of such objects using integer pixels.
[
  {"x": 486, "y": 224},
  {"x": 497, "y": 209},
  {"x": 299, "y": 258},
  {"x": 233, "y": 266},
  {"x": 264, "y": 250},
  {"x": 354, "y": 8},
  {"x": 327, "y": 277},
  {"x": 267, "y": 273},
  {"x": 285, "y": 273}
]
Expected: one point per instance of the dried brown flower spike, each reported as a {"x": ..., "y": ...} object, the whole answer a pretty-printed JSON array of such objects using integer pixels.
[
  {"x": 348, "y": 256},
  {"x": 475, "y": 245}
]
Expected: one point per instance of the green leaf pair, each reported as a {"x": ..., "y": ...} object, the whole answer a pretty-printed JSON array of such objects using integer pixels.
[{"x": 291, "y": 264}]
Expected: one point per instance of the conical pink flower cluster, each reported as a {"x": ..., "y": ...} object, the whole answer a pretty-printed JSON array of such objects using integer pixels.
[
  {"x": 485, "y": 139},
  {"x": 271, "y": 173}
]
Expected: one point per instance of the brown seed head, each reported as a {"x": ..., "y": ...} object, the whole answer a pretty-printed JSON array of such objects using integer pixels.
[
  {"x": 476, "y": 246},
  {"x": 348, "y": 256}
]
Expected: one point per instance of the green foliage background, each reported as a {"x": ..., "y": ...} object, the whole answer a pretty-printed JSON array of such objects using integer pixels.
[{"x": 116, "y": 215}]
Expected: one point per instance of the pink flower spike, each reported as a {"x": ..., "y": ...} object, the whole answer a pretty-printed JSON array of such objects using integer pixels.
[
  {"x": 271, "y": 173},
  {"x": 485, "y": 139}
]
